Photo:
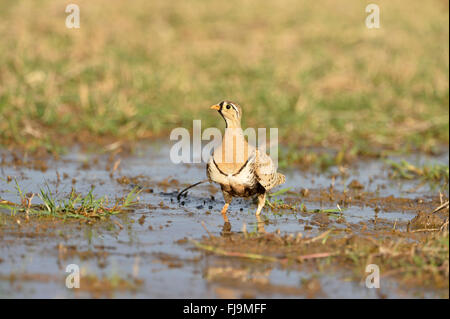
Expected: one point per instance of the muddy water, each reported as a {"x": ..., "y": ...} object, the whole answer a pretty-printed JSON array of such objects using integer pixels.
[{"x": 148, "y": 250}]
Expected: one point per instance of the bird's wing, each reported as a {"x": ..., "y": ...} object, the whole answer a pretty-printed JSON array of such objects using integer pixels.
[
  {"x": 214, "y": 174},
  {"x": 266, "y": 172}
]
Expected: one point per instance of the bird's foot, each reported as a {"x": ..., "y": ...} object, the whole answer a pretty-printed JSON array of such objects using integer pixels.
[{"x": 226, "y": 229}]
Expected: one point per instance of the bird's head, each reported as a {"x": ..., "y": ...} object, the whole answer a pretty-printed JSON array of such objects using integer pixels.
[{"x": 230, "y": 111}]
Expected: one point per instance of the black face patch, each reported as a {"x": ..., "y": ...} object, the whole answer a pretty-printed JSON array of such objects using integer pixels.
[{"x": 221, "y": 114}]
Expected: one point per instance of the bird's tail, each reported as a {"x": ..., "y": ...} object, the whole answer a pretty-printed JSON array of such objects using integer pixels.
[{"x": 189, "y": 187}]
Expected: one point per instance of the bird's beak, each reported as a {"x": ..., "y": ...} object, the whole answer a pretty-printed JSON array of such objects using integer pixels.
[{"x": 215, "y": 107}]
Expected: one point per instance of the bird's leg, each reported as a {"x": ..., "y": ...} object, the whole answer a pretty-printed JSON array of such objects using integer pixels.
[
  {"x": 261, "y": 203},
  {"x": 224, "y": 212},
  {"x": 226, "y": 225},
  {"x": 228, "y": 198},
  {"x": 260, "y": 224}
]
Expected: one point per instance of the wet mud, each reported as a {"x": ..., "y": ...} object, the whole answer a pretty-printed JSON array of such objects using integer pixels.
[{"x": 312, "y": 240}]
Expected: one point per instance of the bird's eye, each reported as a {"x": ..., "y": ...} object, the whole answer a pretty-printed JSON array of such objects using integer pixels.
[{"x": 228, "y": 106}]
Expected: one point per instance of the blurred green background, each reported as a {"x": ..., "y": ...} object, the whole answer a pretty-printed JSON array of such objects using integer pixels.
[{"x": 138, "y": 69}]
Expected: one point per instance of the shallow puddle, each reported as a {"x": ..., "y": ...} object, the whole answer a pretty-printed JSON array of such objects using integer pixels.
[{"x": 147, "y": 252}]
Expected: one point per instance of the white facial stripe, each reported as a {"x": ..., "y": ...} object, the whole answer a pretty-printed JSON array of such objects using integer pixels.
[{"x": 235, "y": 108}]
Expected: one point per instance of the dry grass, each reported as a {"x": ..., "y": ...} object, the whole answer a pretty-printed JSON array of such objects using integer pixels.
[{"x": 138, "y": 69}]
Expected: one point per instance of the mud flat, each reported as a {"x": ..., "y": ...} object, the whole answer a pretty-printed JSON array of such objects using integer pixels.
[{"x": 315, "y": 237}]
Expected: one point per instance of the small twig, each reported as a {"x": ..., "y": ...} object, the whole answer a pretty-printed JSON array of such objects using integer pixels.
[
  {"x": 425, "y": 230},
  {"x": 323, "y": 235},
  {"x": 118, "y": 224},
  {"x": 443, "y": 225},
  {"x": 27, "y": 211},
  {"x": 222, "y": 252},
  {"x": 189, "y": 187},
  {"x": 316, "y": 256},
  {"x": 270, "y": 204},
  {"x": 204, "y": 226},
  {"x": 445, "y": 205},
  {"x": 8, "y": 203},
  {"x": 393, "y": 272}
]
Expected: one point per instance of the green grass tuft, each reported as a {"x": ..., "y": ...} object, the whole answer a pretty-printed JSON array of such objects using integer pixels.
[{"x": 76, "y": 206}]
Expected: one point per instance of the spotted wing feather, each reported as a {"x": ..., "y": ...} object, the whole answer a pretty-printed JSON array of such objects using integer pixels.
[{"x": 266, "y": 172}]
